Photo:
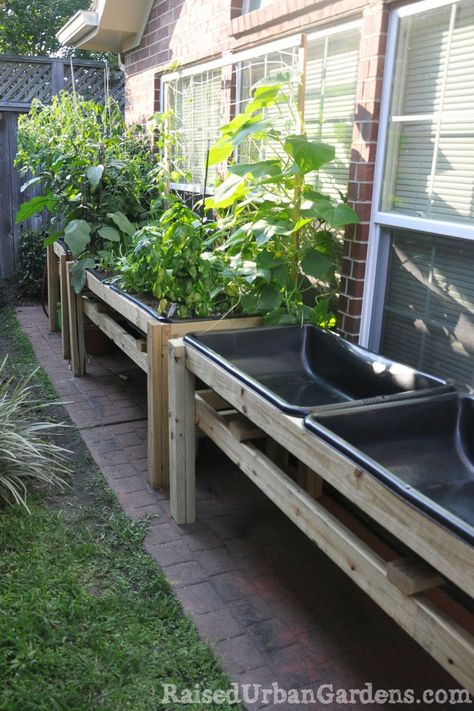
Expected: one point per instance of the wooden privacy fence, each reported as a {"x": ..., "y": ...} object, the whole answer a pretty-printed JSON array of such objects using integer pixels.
[{"x": 23, "y": 79}]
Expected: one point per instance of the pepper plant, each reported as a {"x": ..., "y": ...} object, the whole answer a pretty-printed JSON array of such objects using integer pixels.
[
  {"x": 176, "y": 261},
  {"x": 282, "y": 231}
]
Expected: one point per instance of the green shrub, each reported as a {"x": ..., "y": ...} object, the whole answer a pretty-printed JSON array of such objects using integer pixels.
[
  {"x": 27, "y": 454},
  {"x": 93, "y": 171},
  {"x": 31, "y": 261}
]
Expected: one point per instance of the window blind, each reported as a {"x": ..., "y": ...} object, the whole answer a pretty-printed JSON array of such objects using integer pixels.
[
  {"x": 429, "y": 168},
  {"x": 429, "y": 305},
  {"x": 283, "y": 117},
  {"x": 329, "y": 109},
  {"x": 194, "y": 103},
  {"x": 331, "y": 77}
]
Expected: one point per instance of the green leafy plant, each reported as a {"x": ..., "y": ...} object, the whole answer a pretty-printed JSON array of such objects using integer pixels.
[
  {"x": 31, "y": 261},
  {"x": 93, "y": 172},
  {"x": 282, "y": 231},
  {"x": 176, "y": 261},
  {"x": 26, "y": 452}
]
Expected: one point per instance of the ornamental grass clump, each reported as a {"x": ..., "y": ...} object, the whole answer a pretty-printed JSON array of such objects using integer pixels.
[{"x": 27, "y": 454}]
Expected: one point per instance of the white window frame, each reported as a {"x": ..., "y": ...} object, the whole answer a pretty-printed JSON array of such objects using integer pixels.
[
  {"x": 230, "y": 58},
  {"x": 224, "y": 61},
  {"x": 381, "y": 222}
]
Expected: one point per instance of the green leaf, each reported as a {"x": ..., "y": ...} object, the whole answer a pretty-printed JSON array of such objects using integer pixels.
[
  {"x": 308, "y": 155},
  {"x": 334, "y": 215},
  {"x": 267, "y": 260},
  {"x": 51, "y": 238},
  {"x": 94, "y": 175},
  {"x": 110, "y": 233},
  {"x": 280, "y": 274},
  {"x": 78, "y": 273},
  {"x": 258, "y": 170},
  {"x": 77, "y": 235},
  {"x": 231, "y": 190},
  {"x": 315, "y": 264},
  {"x": 248, "y": 129},
  {"x": 35, "y": 205},
  {"x": 122, "y": 222},
  {"x": 220, "y": 151},
  {"x": 249, "y": 303},
  {"x": 269, "y": 299},
  {"x": 29, "y": 183}
]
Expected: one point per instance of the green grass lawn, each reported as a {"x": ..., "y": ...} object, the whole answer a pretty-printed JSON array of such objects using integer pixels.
[{"x": 87, "y": 620}]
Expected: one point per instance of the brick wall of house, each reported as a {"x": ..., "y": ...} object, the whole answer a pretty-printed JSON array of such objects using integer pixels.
[{"x": 194, "y": 31}]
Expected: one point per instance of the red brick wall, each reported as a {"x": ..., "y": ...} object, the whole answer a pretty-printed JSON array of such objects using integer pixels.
[
  {"x": 184, "y": 31},
  {"x": 193, "y": 31},
  {"x": 361, "y": 175}
]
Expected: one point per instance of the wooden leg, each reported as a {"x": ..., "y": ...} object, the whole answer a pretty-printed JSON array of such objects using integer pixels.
[
  {"x": 76, "y": 325},
  {"x": 53, "y": 288},
  {"x": 155, "y": 409},
  {"x": 182, "y": 416},
  {"x": 65, "y": 330},
  {"x": 309, "y": 480}
]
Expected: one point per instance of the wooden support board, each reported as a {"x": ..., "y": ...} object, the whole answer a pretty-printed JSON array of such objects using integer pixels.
[
  {"x": 53, "y": 288},
  {"x": 58, "y": 292},
  {"x": 446, "y": 640},
  {"x": 76, "y": 321},
  {"x": 149, "y": 352}
]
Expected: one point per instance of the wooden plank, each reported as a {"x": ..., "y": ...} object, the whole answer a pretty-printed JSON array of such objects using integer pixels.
[
  {"x": 53, "y": 288},
  {"x": 181, "y": 433},
  {"x": 413, "y": 575},
  {"x": 446, "y": 641},
  {"x": 450, "y": 555},
  {"x": 126, "y": 342},
  {"x": 242, "y": 429},
  {"x": 137, "y": 316},
  {"x": 154, "y": 404},
  {"x": 180, "y": 329},
  {"x": 76, "y": 320},
  {"x": 309, "y": 480},
  {"x": 214, "y": 400},
  {"x": 65, "y": 327},
  {"x": 164, "y": 433}
]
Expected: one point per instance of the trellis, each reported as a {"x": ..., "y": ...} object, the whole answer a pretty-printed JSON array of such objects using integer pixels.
[{"x": 23, "y": 79}]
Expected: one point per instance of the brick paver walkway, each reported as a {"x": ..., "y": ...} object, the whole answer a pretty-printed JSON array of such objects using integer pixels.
[{"x": 272, "y": 606}]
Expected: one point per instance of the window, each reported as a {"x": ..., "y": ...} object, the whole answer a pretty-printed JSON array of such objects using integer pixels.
[
  {"x": 329, "y": 106},
  {"x": 430, "y": 156},
  {"x": 331, "y": 78},
  {"x": 430, "y": 305},
  {"x": 251, "y": 5},
  {"x": 419, "y": 304},
  {"x": 283, "y": 117},
  {"x": 200, "y": 99},
  {"x": 194, "y": 102}
]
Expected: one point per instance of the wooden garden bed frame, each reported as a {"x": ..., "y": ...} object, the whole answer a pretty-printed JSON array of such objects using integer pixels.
[
  {"x": 232, "y": 415},
  {"x": 108, "y": 309},
  {"x": 57, "y": 259}
]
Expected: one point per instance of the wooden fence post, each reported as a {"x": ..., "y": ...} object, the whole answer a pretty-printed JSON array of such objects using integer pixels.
[{"x": 76, "y": 324}]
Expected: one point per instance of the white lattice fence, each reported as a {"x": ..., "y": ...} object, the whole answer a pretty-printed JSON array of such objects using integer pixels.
[{"x": 23, "y": 79}]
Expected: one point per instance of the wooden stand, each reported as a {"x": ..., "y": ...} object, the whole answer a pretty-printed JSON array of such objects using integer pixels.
[
  {"x": 395, "y": 586},
  {"x": 57, "y": 259},
  {"x": 148, "y": 348}
]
